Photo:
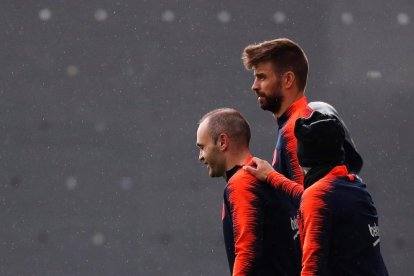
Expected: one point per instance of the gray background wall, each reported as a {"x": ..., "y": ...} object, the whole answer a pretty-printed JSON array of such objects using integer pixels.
[{"x": 99, "y": 102}]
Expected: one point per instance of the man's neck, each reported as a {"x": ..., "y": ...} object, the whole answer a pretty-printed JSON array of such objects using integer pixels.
[
  {"x": 237, "y": 159},
  {"x": 288, "y": 103}
]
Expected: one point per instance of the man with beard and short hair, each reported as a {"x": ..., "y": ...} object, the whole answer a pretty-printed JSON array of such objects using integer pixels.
[
  {"x": 256, "y": 217},
  {"x": 280, "y": 69}
]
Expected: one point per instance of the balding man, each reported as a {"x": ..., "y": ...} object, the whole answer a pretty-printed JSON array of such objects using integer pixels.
[{"x": 260, "y": 237}]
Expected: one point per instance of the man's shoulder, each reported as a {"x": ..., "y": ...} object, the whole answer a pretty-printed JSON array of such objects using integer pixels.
[
  {"x": 303, "y": 110},
  {"x": 321, "y": 187},
  {"x": 323, "y": 108},
  {"x": 242, "y": 179},
  {"x": 329, "y": 185},
  {"x": 242, "y": 176}
]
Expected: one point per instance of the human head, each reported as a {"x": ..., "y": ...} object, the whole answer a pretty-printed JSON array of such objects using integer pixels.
[
  {"x": 320, "y": 140},
  {"x": 221, "y": 133},
  {"x": 284, "y": 54},
  {"x": 281, "y": 68}
]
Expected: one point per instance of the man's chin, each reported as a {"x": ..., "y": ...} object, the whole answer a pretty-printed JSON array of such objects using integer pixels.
[
  {"x": 264, "y": 107},
  {"x": 214, "y": 174},
  {"x": 270, "y": 108},
  {"x": 211, "y": 173}
]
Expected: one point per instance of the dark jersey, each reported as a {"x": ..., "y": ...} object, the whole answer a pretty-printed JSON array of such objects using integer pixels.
[
  {"x": 259, "y": 226},
  {"x": 285, "y": 160},
  {"x": 338, "y": 225}
]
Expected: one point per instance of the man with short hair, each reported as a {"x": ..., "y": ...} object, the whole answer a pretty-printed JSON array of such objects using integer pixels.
[
  {"x": 338, "y": 221},
  {"x": 280, "y": 69},
  {"x": 256, "y": 217}
]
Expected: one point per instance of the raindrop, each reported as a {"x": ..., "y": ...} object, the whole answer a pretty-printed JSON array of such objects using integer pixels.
[
  {"x": 168, "y": 16},
  {"x": 403, "y": 19},
  {"x": 45, "y": 14},
  {"x": 71, "y": 183},
  {"x": 347, "y": 18},
  {"x": 126, "y": 183},
  {"x": 374, "y": 74},
  {"x": 100, "y": 15},
  {"x": 72, "y": 70},
  {"x": 223, "y": 16},
  {"x": 279, "y": 17},
  {"x": 98, "y": 239}
]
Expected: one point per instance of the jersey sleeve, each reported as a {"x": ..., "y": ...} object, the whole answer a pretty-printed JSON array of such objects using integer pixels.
[
  {"x": 290, "y": 187},
  {"x": 316, "y": 220},
  {"x": 248, "y": 216},
  {"x": 292, "y": 162}
]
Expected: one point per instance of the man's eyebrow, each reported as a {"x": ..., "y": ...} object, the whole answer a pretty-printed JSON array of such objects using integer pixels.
[{"x": 199, "y": 145}]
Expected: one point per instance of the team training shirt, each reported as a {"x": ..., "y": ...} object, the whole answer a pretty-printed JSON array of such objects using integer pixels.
[
  {"x": 259, "y": 227},
  {"x": 285, "y": 160},
  {"x": 338, "y": 225}
]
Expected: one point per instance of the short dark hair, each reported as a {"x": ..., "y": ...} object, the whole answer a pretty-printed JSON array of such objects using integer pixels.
[
  {"x": 284, "y": 54},
  {"x": 229, "y": 121}
]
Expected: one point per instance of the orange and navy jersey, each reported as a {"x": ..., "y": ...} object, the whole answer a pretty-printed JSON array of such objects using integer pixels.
[
  {"x": 285, "y": 185},
  {"x": 285, "y": 160},
  {"x": 260, "y": 227},
  {"x": 339, "y": 229}
]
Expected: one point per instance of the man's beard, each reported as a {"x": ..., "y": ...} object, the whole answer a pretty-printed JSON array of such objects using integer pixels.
[{"x": 272, "y": 103}]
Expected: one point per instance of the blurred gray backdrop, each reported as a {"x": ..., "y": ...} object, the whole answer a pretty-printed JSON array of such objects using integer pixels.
[{"x": 99, "y": 103}]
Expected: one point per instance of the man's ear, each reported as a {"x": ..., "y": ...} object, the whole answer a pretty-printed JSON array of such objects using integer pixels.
[
  {"x": 223, "y": 141},
  {"x": 289, "y": 79}
]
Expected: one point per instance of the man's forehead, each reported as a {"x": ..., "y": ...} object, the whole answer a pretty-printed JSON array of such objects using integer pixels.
[
  {"x": 263, "y": 65},
  {"x": 203, "y": 124},
  {"x": 202, "y": 129}
]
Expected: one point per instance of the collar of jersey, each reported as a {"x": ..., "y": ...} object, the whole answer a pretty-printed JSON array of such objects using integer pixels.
[
  {"x": 298, "y": 105},
  {"x": 233, "y": 170}
]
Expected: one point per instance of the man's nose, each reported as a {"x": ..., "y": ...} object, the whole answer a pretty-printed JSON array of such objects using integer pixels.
[
  {"x": 200, "y": 156},
  {"x": 255, "y": 86}
]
